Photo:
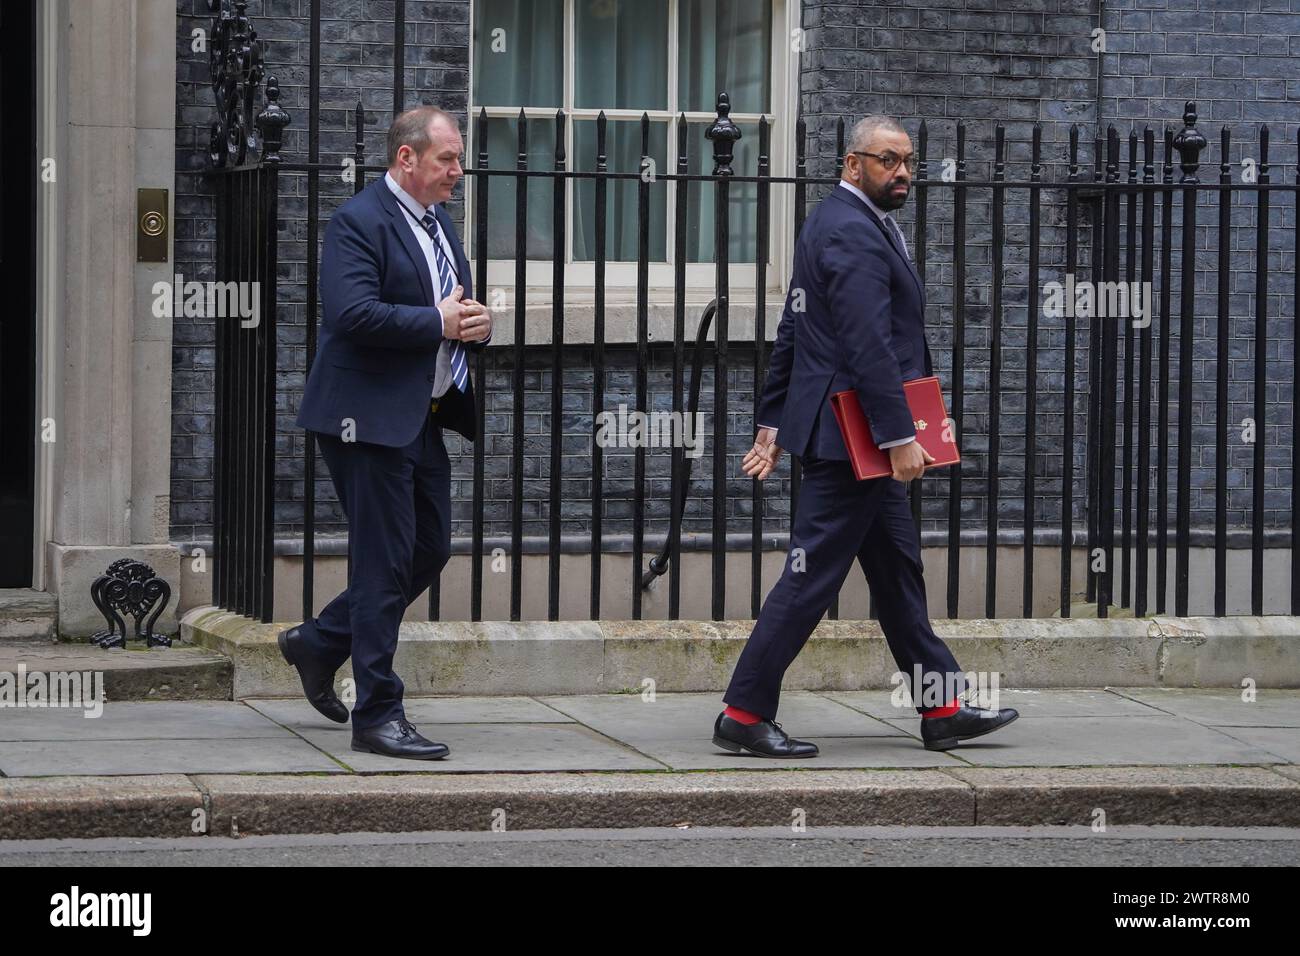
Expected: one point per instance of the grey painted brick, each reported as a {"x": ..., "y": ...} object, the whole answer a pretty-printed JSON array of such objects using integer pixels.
[
  {"x": 1138, "y": 89},
  {"x": 984, "y": 62}
]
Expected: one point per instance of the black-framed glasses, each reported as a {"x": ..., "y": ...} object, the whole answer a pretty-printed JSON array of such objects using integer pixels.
[{"x": 890, "y": 161}]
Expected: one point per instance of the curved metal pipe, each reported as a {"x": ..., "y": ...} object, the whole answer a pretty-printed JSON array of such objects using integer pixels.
[{"x": 659, "y": 563}]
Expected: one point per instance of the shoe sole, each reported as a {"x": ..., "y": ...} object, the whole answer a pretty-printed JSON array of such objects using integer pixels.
[
  {"x": 368, "y": 750},
  {"x": 948, "y": 743},
  {"x": 283, "y": 644},
  {"x": 735, "y": 748}
]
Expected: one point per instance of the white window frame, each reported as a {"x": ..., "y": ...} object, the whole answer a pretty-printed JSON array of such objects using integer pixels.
[{"x": 620, "y": 277}]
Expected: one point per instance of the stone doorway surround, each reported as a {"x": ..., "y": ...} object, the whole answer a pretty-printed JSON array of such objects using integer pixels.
[{"x": 106, "y": 117}]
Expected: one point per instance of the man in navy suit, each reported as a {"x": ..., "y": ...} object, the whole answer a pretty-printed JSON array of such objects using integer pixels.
[
  {"x": 391, "y": 372},
  {"x": 854, "y": 319}
]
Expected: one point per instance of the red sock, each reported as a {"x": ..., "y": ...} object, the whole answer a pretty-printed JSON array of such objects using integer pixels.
[
  {"x": 946, "y": 711},
  {"x": 742, "y": 716}
]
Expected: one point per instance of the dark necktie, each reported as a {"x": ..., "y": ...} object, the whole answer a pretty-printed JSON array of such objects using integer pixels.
[{"x": 446, "y": 283}]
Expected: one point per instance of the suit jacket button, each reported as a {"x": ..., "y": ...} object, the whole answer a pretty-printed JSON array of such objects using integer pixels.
[{"x": 430, "y": 379}]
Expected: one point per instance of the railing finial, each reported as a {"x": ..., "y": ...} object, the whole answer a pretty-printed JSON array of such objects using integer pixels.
[
  {"x": 724, "y": 134},
  {"x": 1189, "y": 142},
  {"x": 271, "y": 122}
]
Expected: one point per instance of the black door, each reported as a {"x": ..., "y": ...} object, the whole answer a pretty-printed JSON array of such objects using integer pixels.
[{"x": 18, "y": 184}]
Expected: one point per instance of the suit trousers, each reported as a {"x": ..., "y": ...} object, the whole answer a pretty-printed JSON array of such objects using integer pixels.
[
  {"x": 839, "y": 519},
  {"x": 398, "y": 503}
]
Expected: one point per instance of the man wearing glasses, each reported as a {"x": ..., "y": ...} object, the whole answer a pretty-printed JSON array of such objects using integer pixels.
[{"x": 853, "y": 318}]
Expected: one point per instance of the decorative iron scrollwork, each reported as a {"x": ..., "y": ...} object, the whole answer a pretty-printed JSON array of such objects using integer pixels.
[
  {"x": 235, "y": 61},
  {"x": 132, "y": 588}
]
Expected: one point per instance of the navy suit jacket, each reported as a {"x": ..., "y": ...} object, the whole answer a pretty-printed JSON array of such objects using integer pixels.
[
  {"x": 380, "y": 329},
  {"x": 854, "y": 318}
]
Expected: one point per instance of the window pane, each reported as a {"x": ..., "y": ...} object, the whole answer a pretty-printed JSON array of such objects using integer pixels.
[
  {"x": 503, "y": 151},
  {"x": 724, "y": 46},
  {"x": 621, "y": 54},
  {"x": 622, "y": 155},
  {"x": 518, "y": 52},
  {"x": 742, "y": 198}
]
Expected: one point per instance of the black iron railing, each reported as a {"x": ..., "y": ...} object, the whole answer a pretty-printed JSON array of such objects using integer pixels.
[{"x": 1112, "y": 232}]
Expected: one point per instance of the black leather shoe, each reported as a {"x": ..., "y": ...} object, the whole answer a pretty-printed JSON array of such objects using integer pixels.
[
  {"x": 317, "y": 683},
  {"x": 763, "y": 739},
  {"x": 397, "y": 738},
  {"x": 942, "y": 733}
]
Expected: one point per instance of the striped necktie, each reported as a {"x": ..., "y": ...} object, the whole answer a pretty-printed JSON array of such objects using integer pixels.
[
  {"x": 446, "y": 283},
  {"x": 898, "y": 232}
]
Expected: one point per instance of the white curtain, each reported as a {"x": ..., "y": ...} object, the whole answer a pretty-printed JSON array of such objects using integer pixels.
[
  {"x": 620, "y": 61},
  {"x": 518, "y": 53},
  {"x": 620, "y": 54},
  {"x": 622, "y": 154},
  {"x": 724, "y": 45},
  {"x": 518, "y": 62}
]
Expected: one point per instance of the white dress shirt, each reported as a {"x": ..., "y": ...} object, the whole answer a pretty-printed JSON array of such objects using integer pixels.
[{"x": 889, "y": 224}]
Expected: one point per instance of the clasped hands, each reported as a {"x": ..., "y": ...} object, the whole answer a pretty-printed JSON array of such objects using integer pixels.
[
  {"x": 908, "y": 461},
  {"x": 464, "y": 319}
]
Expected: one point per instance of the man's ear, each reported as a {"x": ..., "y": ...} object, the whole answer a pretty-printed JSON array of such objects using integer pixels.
[{"x": 411, "y": 155}]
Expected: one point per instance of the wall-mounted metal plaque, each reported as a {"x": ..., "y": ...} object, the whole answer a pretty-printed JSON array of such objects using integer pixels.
[{"x": 151, "y": 225}]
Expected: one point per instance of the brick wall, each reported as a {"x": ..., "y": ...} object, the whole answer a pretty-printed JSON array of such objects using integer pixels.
[
  {"x": 1015, "y": 62},
  {"x": 356, "y": 63},
  {"x": 1025, "y": 62}
]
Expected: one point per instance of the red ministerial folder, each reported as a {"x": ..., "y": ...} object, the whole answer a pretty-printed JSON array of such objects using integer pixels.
[{"x": 929, "y": 417}]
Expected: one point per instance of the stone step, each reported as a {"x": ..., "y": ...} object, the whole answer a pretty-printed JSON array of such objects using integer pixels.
[
  {"x": 27, "y": 615},
  {"x": 133, "y": 673},
  {"x": 596, "y": 657}
]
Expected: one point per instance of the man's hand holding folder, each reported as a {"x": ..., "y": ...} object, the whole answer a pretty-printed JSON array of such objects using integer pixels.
[
  {"x": 933, "y": 439},
  {"x": 909, "y": 461}
]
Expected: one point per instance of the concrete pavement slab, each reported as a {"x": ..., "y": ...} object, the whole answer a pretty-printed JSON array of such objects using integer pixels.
[
  {"x": 626, "y": 732},
  {"x": 1283, "y": 741},
  {"x": 677, "y": 729},
  {"x": 140, "y": 720},
  {"x": 1217, "y": 707},
  {"x": 691, "y": 716},
  {"x": 836, "y": 753},
  {"x": 1053, "y": 702},
  {"x": 1107, "y": 741},
  {"x": 298, "y": 714},
  {"x": 286, "y": 754},
  {"x": 503, "y": 747}
]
